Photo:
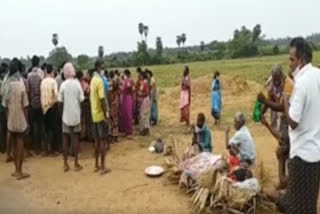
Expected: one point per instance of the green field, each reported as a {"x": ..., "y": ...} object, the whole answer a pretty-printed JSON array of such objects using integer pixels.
[{"x": 256, "y": 69}]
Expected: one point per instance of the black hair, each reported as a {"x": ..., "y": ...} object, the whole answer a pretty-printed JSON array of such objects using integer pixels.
[
  {"x": 242, "y": 174},
  {"x": 202, "y": 117},
  {"x": 139, "y": 70},
  {"x": 111, "y": 74},
  {"x": 91, "y": 71},
  {"x": 4, "y": 65},
  {"x": 150, "y": 72},
  {"x": 13, "y": 66},
  {"x": 303, "y": 49},
  {"x": 106, "y": 74},
  {"x": 186, "y": 71},
  {"x": 49, "y": 68},
  {"x": 62, "y": 76},
  {"x": 116, "y": 72},
  {"x": 216, "y": 74},
  {"x": 127, "y": 72},
  {"x": 144, "y": 75},
  {"x": 35, "y": 61},
  {"x": 98, "y": 64},
  {"x": 43, "y": 66},
  {"x": 79, "y": 75}
]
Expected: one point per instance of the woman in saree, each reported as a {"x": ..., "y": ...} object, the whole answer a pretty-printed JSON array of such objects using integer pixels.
[
  {"x": 144, "y": 122},
  {"x": 154, "y": 100},
  {"x": 185, "y": 97},
  {"x": 126, "y": 120},
  {"x": 114, "y": 106},
  {"x": 138, "y": 100},
  {"x": 216, "y": 98}
]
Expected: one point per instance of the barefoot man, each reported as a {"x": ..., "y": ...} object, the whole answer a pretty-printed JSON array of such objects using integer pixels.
[
  {"x": 15, "y": 100},
  {"x": 278, "y": 85},
  {"x": 99, "y": 117},
  {"x": 71, "y": 95}
]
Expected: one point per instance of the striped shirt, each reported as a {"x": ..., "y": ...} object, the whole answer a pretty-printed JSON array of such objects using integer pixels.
[
  {"x": 34, "y": 84},
  {"x": 49, "y": 93}
]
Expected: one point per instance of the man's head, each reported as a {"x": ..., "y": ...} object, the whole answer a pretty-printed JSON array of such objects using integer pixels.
[
  {"x": 3, "y": 70},
  {"x": 68, "y": 71},
  {"x": 277, "y": 75},
  {"x": 186, "y": 71},
  {"x": 300, "y": 53},
  {"x": 239, "y": 120},
  {"x": 201, "y": 120},
  {"x": 49, "y": 69},
  {"x": 127, "y": 72},
  {"x": 98, "y": 65},
  {"x": 35, "y": 61},
  {"x": 13, "y": 66}
]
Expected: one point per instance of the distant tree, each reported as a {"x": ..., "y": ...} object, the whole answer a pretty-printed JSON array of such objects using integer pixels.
[
  {"x": 178, "y": 40},
  {"x": 183, "y": 38},
  {"x": 100, "y": 52},
  {"x": 159, "y": 46},
  {"x": 256, "y": 32},
  {"x": 55, "y": 39},
  {"x": 58, "y": 56},
  {"x": 83, "y": 61},
  {"x": 142, "y": 57},
  {"x": 141, "y": 29},
  {"x": 276, "y": 50},
  {"x": 146, "y": 32},
  {"x": 202, "y": 45}
]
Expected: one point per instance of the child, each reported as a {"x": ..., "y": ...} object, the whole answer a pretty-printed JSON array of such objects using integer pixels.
[{"x": 202, "y": 135}]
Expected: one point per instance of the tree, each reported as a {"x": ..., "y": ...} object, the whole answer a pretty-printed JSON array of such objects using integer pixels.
[
  {"x": 142, "y": 57},
  {"x": 141, "y": 30},
  {"x": 59, "y": 56},
  {"x": 159, "y": 46},
  {"x": 146, "y": 32},
  {"x": 83, "y": 61},
  {"x": 55, "y": 39},
  {"x": 100, "y": 52},
  {"x": 256, "y": 32},
  {"x": 202, "y": 45},
  {"x": 178, "y": 40},
  {"x": 183, "y": 38},
  {"x": 276, "y": 50}
]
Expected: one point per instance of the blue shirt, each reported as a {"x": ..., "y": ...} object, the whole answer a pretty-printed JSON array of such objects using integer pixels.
[{"x": 204, "y": 135}]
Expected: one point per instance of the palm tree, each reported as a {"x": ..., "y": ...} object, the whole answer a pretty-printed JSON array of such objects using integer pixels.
[
  {"x": 183, "y": 38},
  {"x": 141, "y": 29},
  {"x": 100, "y": 51},
  {"x": 146, "y": 31},
  {"x": 178, "y": 40},
  {"x": 55, "y": 39}
]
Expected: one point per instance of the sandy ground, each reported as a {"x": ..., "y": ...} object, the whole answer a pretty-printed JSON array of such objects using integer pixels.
[{"x": 127, "y": 189}]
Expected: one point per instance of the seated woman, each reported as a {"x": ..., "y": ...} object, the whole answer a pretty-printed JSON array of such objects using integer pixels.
[
  {"x": 241, "y": 144},
  {"x": 202, "y": 135}
]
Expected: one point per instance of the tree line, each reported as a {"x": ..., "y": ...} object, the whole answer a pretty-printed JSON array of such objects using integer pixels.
[{"x": 245, "y": 43}]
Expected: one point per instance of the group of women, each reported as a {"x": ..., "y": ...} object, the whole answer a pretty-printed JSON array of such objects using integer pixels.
[
  {"x": 130, "y": 103},
  {"x": 185, "y": 97}
]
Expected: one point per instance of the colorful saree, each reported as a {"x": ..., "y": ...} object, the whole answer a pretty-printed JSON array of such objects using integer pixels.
[
  {"x": 126, "y": 107},
  {"x": 114, "y": 104},
  {"x": 185, "y": 100},
  {"x": 144, "y": 122}
]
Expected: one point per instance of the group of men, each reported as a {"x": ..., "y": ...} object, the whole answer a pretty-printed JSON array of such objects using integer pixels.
[
  {"x": 296, "y": 114},
  {"x": 52, "y": 103}
]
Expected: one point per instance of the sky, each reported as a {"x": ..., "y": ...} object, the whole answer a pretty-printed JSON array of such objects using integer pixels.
[{"x": 82, "y": 25}]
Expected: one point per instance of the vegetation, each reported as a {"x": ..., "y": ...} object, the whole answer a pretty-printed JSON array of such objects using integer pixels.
[{"x": 245, "y": 43}]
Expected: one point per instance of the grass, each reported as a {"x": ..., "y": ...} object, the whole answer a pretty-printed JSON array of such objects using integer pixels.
[{"x": 256, "y": 69}]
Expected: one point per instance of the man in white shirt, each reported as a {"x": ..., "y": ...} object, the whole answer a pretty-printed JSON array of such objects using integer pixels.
[
  {"x": 303, "y": 116},
  {"x": 241, "y": 144},
  {"x": 71, "y": 95}
]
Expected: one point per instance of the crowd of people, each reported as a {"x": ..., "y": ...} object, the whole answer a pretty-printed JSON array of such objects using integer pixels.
[
  {"x": 66, "y": 106},
  {"x": 50, "y": 111}
]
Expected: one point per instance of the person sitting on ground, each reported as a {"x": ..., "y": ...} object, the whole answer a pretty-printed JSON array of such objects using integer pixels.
[
  {"x": 282, "y": 150},
  {"x": 241, "y": 144},
  {"x": 202, "y": 134}
]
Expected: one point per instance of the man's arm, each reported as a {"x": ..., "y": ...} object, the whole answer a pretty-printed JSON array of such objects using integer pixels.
[
  {"x": 227, "y": 138},
  {"x": 269, "y": 104},
  {"x": 275, "y": 133},
  {"x": 291, "y": 122}
]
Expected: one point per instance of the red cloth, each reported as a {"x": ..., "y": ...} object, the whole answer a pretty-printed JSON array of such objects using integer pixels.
[{"x": 234, "y": 163}]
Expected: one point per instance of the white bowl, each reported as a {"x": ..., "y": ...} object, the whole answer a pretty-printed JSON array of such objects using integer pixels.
[{"x": 154, "y": 171}]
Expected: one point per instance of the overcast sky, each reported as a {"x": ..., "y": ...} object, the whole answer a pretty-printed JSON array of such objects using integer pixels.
[{"x": 83, "y": 25}]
